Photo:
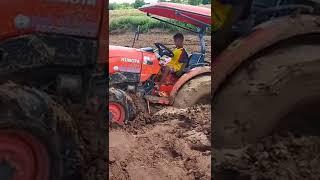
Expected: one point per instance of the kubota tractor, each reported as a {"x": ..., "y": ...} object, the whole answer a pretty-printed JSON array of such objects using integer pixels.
[
  {"x": 135, "y": 72},
  {"x": 52, "y": 66}
]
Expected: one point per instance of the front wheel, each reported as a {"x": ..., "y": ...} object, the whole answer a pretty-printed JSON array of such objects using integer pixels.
[
  {"x": 121, "y": 107},
  {"x": 37, "y": 138}
]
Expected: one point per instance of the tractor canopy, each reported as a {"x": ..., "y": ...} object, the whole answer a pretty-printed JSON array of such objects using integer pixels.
[{"x": 195, "y": 15}]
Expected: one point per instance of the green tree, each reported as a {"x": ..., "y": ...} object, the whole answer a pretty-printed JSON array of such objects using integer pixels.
[
  {"x": 176, "y": 1},
  {"x": 113, "y": 6},
  {"x": 194, "y": 2},
  {"x": 205, "y": 1},
  {"x": 138, "y": 3}
]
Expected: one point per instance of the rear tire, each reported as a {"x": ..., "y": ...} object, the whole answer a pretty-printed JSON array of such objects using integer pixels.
[
  {"x": 195, "y": 91},
  {"x": 258, "y": 96},
  {"x": 38, "y": 135}
]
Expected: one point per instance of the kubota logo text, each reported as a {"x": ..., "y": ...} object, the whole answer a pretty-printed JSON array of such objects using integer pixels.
[
  {"x": 130, "y": 60},
  {"x": 81, "y": 2}
]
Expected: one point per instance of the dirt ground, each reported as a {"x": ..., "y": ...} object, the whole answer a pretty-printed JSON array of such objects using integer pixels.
[
  {"x": 171, "y": 144},
  {"x": 148, "y": 40},
  {"x": 280, "y": 156}
]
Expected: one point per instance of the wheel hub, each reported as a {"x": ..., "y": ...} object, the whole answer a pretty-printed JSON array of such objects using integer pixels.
[
  {"x": 116, "y": 113},
  {"x": 22, "y": 157}
]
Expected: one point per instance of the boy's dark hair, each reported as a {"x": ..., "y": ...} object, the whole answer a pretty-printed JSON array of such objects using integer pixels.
[{"x": 178, "y": 36}]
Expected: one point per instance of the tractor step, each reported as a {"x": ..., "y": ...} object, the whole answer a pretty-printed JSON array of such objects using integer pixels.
[{"x": 158, "y": 100}]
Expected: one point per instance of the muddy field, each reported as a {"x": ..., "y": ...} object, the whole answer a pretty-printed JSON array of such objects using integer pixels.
[
  {"x": 148, "y": 40},
  {"x": 171, "y": 144},
  {"x": 280, "y": 156}
]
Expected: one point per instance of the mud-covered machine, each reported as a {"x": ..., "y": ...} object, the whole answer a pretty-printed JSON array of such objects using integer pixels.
[
  {"x": 52, "y": 89},
  {"x": 134, "y": 73},
  {"x": 266, "y": 71}
]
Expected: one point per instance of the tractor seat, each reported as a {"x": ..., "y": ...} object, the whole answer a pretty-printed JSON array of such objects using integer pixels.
[
  {"x": 147, "y": 49},
  {"x": 195, "y": 60}
]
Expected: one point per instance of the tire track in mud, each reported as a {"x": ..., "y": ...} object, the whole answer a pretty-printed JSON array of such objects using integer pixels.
[
  {"x": 171, "y": 144},
  {"x": 279, "y": 156}
]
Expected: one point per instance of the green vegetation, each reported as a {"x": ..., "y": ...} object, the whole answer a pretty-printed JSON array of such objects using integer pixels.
[
  {"x": 135, "y": 5},
  {"x": 129, "y": 19},
  {"x": 138, "y": 3},
  {"x": 125, "y": 17}
]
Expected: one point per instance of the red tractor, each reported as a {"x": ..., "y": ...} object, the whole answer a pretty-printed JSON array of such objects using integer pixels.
[{"x": 135, "y": 72}]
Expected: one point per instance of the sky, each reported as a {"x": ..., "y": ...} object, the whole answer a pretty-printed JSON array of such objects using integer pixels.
[{"x": 131, "y": 1}]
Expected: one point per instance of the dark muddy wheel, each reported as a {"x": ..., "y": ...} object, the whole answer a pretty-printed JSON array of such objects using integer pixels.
[
  {"x": 121, "y": 106},
  {"x": 259, "y": 95},
  {"x": 37, "y": 141},
  {"x": 195, "y": 91}
]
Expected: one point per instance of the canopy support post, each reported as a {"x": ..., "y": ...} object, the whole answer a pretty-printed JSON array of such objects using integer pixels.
[{"x": 202, "y": 32}]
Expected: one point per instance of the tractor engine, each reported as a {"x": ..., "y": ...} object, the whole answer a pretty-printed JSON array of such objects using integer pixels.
[{"x": 132, "y": 69}]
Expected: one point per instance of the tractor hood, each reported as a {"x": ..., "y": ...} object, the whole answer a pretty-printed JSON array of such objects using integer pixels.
[
  {"x": 120, "y": 51},
  {"x": 194, "y": 15}
]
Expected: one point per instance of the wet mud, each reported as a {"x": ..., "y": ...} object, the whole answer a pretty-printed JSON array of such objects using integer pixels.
[
  {"x": 279, "y": 156},
  {"x": 171, "y": 144}
]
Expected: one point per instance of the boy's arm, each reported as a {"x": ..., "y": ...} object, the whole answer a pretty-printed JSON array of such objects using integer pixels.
[{"x": 183, "y": 57}]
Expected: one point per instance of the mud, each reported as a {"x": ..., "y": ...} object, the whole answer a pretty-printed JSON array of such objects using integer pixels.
[
  {"x": 171, "y": 144},
  {"x": 280, "y": 156},
  {"x": 148, "y": 40},
  {"x": 93, "y": 164}
]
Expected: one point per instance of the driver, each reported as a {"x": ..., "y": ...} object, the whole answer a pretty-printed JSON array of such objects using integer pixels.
[{"x": 180, "y": 56}]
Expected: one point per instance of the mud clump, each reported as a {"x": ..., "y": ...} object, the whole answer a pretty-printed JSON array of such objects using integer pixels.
[
  {"x": 280, "y": 156},
  {"x": 171, "y": 144}
]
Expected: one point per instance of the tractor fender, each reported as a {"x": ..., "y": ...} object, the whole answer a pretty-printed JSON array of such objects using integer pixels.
[
  {"x": 188, "y": 76},
  {"x": 262, "y": 36}
]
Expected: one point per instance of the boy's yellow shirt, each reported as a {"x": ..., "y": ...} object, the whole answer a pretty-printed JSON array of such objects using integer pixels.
[{"x": 174, "y": 63}]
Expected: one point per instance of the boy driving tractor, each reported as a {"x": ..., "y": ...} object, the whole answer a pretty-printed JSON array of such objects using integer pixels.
[{"x": 179, "y": 59}]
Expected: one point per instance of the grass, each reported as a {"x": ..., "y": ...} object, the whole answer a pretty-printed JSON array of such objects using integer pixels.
[
  {"x": 114, "y": 14},
  {"x": 129, "y": 19}
]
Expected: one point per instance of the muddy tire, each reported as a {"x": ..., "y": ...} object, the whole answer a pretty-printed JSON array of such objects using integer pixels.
[
  {"x": 121, "y": 106},
  {"x": 37, "y": 135},
  {"x": 260, "y": 94},
  {"x": 195, "y": 91}
]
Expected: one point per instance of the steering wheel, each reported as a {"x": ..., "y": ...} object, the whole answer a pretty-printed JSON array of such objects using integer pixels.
[{"x": 163, "y": 50}]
